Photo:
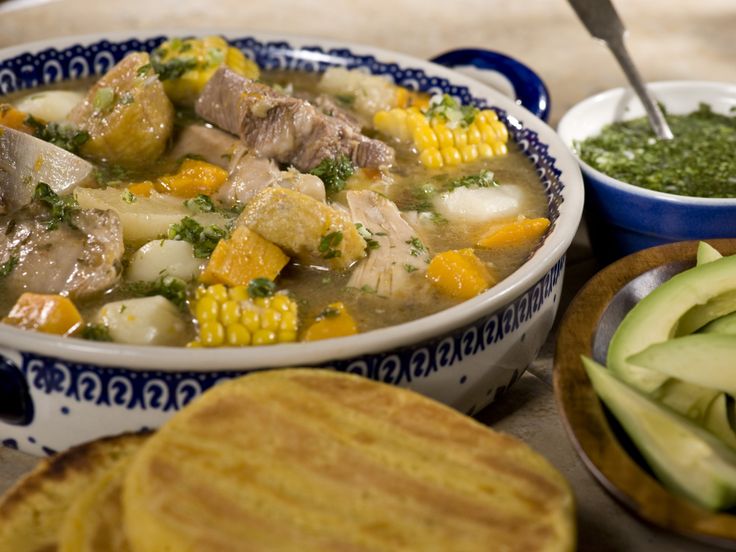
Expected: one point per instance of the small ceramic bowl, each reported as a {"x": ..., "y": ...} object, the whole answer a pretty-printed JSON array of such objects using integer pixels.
[
  {"x": 623, "y": 218},
  {"x": 56, "y": 392},
  {"x": 586, "y": 329}
]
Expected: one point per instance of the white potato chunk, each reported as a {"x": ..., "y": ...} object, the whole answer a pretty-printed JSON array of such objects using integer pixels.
[
  {"x": 477, "y": 205},
  {"x": 146, "y": 218},
  {"x": 143, "y": 321},
  {"x": 160, "y": 258},
  {"x": 51, "y": 105}
]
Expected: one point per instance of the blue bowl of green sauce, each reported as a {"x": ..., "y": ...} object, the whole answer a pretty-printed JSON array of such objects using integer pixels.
[{"x": 641, "y": 192}]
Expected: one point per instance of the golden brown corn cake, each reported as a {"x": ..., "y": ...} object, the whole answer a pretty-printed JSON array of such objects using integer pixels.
[
  {"x": 312, "y": 460},
  {"x": 33, "y": 511}
]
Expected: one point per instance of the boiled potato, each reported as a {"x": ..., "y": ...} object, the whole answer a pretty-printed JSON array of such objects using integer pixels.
[
  {"x": 52, "y": 106},
  {"x": 160, "y": 258},
  {"x": 145, "y": 218},
  {"x": 143, "y": 321}
]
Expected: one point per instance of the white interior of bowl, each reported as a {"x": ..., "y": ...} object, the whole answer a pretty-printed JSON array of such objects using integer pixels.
[
  {"x": 588, "y": 117},
  {"x": 169, "y": 358}
]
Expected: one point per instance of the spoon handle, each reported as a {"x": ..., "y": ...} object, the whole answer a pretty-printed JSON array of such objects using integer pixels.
[{"x": 603, "y": 23}]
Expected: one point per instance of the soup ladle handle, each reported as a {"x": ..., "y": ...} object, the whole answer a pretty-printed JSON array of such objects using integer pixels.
[{"x": 603, "y": 23}]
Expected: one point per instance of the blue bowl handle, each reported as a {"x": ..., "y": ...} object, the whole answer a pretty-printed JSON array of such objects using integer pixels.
[
  {"x": 16, "y": 405},
  {"x": 529, "y": 89}
]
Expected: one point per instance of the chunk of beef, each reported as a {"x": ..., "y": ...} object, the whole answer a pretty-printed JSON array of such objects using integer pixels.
[
  {"x": 79, "y": 258},
  {"x": 394, "y": 263},
  {"x": 314, "y": 232},
  {"x": 280, "y": 127},
  {"x": 25, "y": 161}
]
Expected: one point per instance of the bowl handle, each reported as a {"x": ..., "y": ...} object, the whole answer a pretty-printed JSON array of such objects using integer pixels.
[
  {"x": 485, "y": 65},
  {"x": 16, "y": 405}
]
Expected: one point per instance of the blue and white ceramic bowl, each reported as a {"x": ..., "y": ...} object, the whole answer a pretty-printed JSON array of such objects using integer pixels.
[
  {"x": 623, "y": 218},
  {"x": 56, "y": 392}
]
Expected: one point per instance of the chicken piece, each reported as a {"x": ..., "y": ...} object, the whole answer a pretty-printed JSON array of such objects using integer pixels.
[
  {"x": 284, "y": 128},
  {"x": 249, "y": 175},
  {"x": 314, "y": 232},
  {"x": 78, "y": 258},
  {"x": 397, "y": 257},
  {"x": 25, "y": 161},
  {"x": 127, "y": 114},
  {"x": 213, "y": 145}
]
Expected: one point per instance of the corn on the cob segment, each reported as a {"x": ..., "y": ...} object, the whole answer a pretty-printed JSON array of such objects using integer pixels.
[
  {"x": 441, "y": 142},
  {"x": 236, "y": 317}
]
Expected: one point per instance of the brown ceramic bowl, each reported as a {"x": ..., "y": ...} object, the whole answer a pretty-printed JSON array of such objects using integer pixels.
[{"x": 586, "y": 329}]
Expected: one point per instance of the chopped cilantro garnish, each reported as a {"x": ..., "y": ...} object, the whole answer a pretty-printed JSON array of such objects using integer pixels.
[
  {"x": 417, "y": 248},
  {"x": 128, "y": 196},
  {"x": 346, "y": 99},
  {"x": 63, "y": 135},
  {"x": 484, "y": 179},
  {"x": 328, "y": 245},
  {"x": 8, "y": 266},
  {"x": 261, "y": 287},
  {"x": 452, "y": 111},
  {"x": 104, "y": 99},
  {"x": 203, "y": 238},
  {"x": 172, "y": 288},
  {"x": 410, "y": 268},
  {"x": 62, "y": 207},
  {"x": 367, "y": 235},
  {"x": 96, "y": 332},
  {"x": 334, "y": 173},
  {"x": 172, "y": 68},
  {"x": 202, "y": 203},
  {"x": 108, "y": 174}
]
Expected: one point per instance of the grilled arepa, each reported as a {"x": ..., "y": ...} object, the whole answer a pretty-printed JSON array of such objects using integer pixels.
[
  {"x": 33, "y": 511},
  {"x": 311, "y": 460}
]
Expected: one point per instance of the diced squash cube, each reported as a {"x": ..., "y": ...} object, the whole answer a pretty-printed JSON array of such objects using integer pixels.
[
  {"x": 514, "y": 233},
  {"x": 459, "y": 273},
  {"x": 142, "y": 189},
  {"x": 52, "y": 314},
  {"x": 14, "y": 118},
  {"x": 193, "y": 178},
  {"x": 243, "y": 257},
  {"x": 335, "y": 321}
]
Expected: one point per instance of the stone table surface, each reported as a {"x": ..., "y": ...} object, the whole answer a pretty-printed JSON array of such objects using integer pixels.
[{"x": 681, "y": 39}]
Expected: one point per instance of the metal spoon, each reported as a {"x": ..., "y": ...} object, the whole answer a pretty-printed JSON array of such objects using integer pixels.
[{"x": 603, "y": 23}]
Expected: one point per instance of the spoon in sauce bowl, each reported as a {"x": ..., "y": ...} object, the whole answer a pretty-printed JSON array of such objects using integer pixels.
[{"x": 603, "y": 23}]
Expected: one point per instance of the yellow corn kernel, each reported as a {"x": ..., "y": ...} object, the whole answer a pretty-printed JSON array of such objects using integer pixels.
[
  {"x": 286, "y": 336},
  {"x": 288, "y": 321},
  {"x": 460, "y": 136},
  {"x": 469, "y": 153},
  {"x": 474, "y": 135},
  {"x": 219, "y": 292},
  {"x": 485, "y": 151},
  {"x": 237, "y": 335},
  {"x": 402, "y": 97},
  {"x": 514, "y": 233},
  {"x": 262, "y": 302},
  {"x": 459, "y": 273},
  {"x": 211, "y": 334},
  {"x": 415, "y": 120},
  {"x": 488, "y": 133},
  {"x": 425, "y": 138},
  {"x": 444, "y": 136},
  {"x": 251, "y": 320},
  {"x": 229, "y": 312},
  {"x": 451, "y": 156},
  {"x": 487, "y": 116},
  {"x": 499, "y": 148},
  {"x": 501, "y": 131},
  {"x": 207, "y": 309},
  {"x": 281, "y": 303},
  {"x": 238, "y": 293},
  {"x": 431, "y": 158},
  {"x": 194, "y": 345},
  {"x": 270, "y": 319},
  {"x": 264, "y": 337}
]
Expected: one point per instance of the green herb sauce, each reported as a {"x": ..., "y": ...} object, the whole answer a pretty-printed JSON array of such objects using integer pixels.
[{"x": 699, "y": 162}]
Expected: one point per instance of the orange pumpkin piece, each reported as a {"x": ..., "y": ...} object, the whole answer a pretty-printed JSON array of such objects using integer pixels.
[
  {"x": 514, "y": 233},
  {"x": 14, "y": 118},
  {"x": 193, "y": 178},
  {"x": 334, "y": 321},
  {"x": 141, "y": 189},
  {"x": 52, "y": 314},
  {"x": 459, "y": 273},
  {"x": 243, "y": 257}
]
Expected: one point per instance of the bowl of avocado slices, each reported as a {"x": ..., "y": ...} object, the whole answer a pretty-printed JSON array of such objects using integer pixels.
[
  {"x": 645, "y": 374},
  {"x": 641, "y": 191}
]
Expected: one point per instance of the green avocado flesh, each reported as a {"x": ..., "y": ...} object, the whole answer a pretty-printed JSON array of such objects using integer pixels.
[
  {"x": 687, "y": 458},
  {"x": 656, "y": 318},
  {"x": 682, "y": 358},
  {"x": 707, "y": 253},
  {"x": 723, "y": 325}
]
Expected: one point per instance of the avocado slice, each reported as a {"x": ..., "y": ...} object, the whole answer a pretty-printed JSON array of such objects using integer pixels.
[
  {"x": 705, "y": 359},
  {"x": 723, "y": 325},
  {"x": 688, "y": 459},
  {"x": 718, "y": 420},
  {"x": 706, "y": 253},
  {"x": 656, "y": 317}
]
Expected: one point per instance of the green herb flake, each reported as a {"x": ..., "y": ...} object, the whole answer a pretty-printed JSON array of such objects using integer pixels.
[
  {"x": 128, "y": 197},
  {"x": 334, "y": 173},
  {"x": 63, "y": 135},
  {"x": 202, "y": 204},
  {"x": 328, "y": 245},
  {"x": 367, "y": 236},
  {"x": 484, "y": 179},
  {"x": 172, "y": 288},
  {"x": 62, "y": 207},
  {"x": 410, "y": 268},
  {"x": 104, "y": 99},
  {"x": 451, "y": 111},
  {"x": 416, "y": 247},
  {"x": 173, "y": 68},
  {"x": 8, "y": 266},
  {"x": 96, "y": 332},
  {"x": 204, "y": 239},
  {"x": 346, "y": 99},
  {"x": 261, "y": 287}
]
